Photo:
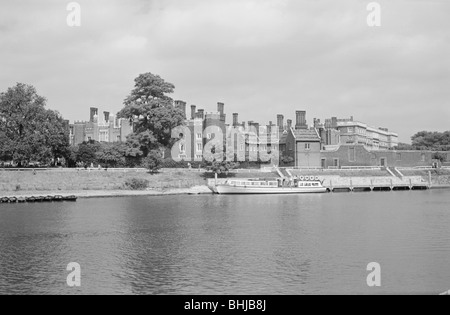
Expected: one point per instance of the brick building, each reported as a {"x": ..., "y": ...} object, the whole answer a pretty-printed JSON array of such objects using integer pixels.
[
  {"x": 103, "y": 128},
  {"x": 348, "y": 131},
  {"x": 359, "y": 155},
  {"x": 301, "y": 143}
]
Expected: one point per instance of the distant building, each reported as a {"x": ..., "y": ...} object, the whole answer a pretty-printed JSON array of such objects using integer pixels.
[
  {"x": 358, "y": 155},
  {"x": 202, "y": 126},
  {"x": 301, "y": 143},
  {"x": 103, "y": 128},
  {"x": 348, "y": 131}
]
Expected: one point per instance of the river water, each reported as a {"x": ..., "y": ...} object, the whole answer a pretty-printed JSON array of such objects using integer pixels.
[{"x": 305, "y": 244}]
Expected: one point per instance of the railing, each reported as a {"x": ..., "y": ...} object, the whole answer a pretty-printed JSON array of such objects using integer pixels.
[
  {"x": 363, "y": 168},
  {"x": 416, "y": 168}
]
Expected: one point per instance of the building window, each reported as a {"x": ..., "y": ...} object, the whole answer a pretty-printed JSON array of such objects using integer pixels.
[
  {"x": 351, "y": 154},
  {"x": 199, "y": 136},
  {"x": 199, "y": 157},
  {"x": 209, "y": 136},
  {"x": 104, "y": 136},
  {"x": 423, "y": 157},
  {"x": 199, "y": 147},
  {"x": 336, "y": 163},
  {"x": 307, "y": 146},
  {"x": 182, "y": 148}
]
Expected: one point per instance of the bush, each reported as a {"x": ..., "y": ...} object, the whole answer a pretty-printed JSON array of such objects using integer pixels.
[
  {"x": 137, "y": 184},
  {"x": 153, "y": 161}
]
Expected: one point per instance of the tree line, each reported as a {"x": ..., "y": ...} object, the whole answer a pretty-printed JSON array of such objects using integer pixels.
[{"x": 30, "y": 133}]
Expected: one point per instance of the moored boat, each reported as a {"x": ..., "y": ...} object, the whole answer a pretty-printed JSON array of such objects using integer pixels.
[
  {"x": 278, "y": 186},
  {"x": 4, "y": 200},
  {"x": 58, "y": 198},
  {"x": 70, "y": 198},
  {"x": 31, "y": 199}
]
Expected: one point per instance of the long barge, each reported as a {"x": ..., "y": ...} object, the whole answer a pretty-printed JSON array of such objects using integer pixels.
[{"x": 33, "y": 199}]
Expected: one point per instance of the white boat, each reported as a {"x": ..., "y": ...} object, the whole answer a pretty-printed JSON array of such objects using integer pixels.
[{"x": 280, "y": 186}]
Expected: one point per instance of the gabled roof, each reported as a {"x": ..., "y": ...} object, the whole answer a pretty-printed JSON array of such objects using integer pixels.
[
  {"x": 305, "y": 134},
  {"x": 283, "y": 138}
]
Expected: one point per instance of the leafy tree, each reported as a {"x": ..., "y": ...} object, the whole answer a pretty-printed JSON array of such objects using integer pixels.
[
  {"x": 426, "y": 140},
  {"x": 87, "y": 152},
  {"x": 153, "y": 114},
  {"x": 112, "y": 154},
  {"x": 28, "y": 131},
  {"x": 153, "y": 161}
]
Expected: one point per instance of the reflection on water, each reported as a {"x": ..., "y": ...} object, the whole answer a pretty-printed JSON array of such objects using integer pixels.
[{"x": 229, "y": 244}]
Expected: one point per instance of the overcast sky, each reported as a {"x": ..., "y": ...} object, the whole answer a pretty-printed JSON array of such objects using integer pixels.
[{"x": 259, "y": 57}]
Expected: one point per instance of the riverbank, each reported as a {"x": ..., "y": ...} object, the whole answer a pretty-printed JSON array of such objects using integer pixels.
[
  {"x": 95, "y": 183},
  {"x": 196, "y": 190}
]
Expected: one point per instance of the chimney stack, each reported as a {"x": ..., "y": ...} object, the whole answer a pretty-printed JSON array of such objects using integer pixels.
[
  {"x": 235, "y": 119},
  {"x": 201, "y": 114},
  {"x": 106, "y": 114},
  {"x": 280, "y": 122},
  {"x": 193, "y": 110},
  {"x": 221, "y": 110},
  {"x": 301, "y": 120},
  {"x": 94, "y": 112}
]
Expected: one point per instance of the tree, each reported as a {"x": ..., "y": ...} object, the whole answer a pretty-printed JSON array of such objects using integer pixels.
[
  {"x": 87, "y": 152},
  {"x": 153, "y": 114},
  {"x": 28, "y": 131},
  {"x": 112, "y": 154},
  {"x": 153, "y": 161},
  {"x": 426, "y": 140}
]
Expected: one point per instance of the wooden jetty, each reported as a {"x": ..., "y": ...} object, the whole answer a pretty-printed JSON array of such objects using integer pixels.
[
  {"x": 33, "y": 199},
  {"x": 375, "y": 184}
]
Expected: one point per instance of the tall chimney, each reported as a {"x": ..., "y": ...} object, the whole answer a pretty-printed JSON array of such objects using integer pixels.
[
  {"x": 269, "y": 127},
  {"x": 94, "y": 112},
  {"x": 193, "y": 110},
  {"x": 221, "y": 110},
  {"x": 201, "y": 114},
  {"x": 280, "y": 122},
  {"x": 301, "y": 120},
  {"x": 106, "y": 114},
  {"x": 235, "y": 119}
]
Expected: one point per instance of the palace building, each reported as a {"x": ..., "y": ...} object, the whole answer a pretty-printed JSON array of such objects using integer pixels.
[{"x": 101, "y": 128}]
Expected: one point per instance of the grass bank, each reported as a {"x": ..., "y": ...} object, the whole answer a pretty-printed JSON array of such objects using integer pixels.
[{"x": 70, "y": 180}]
